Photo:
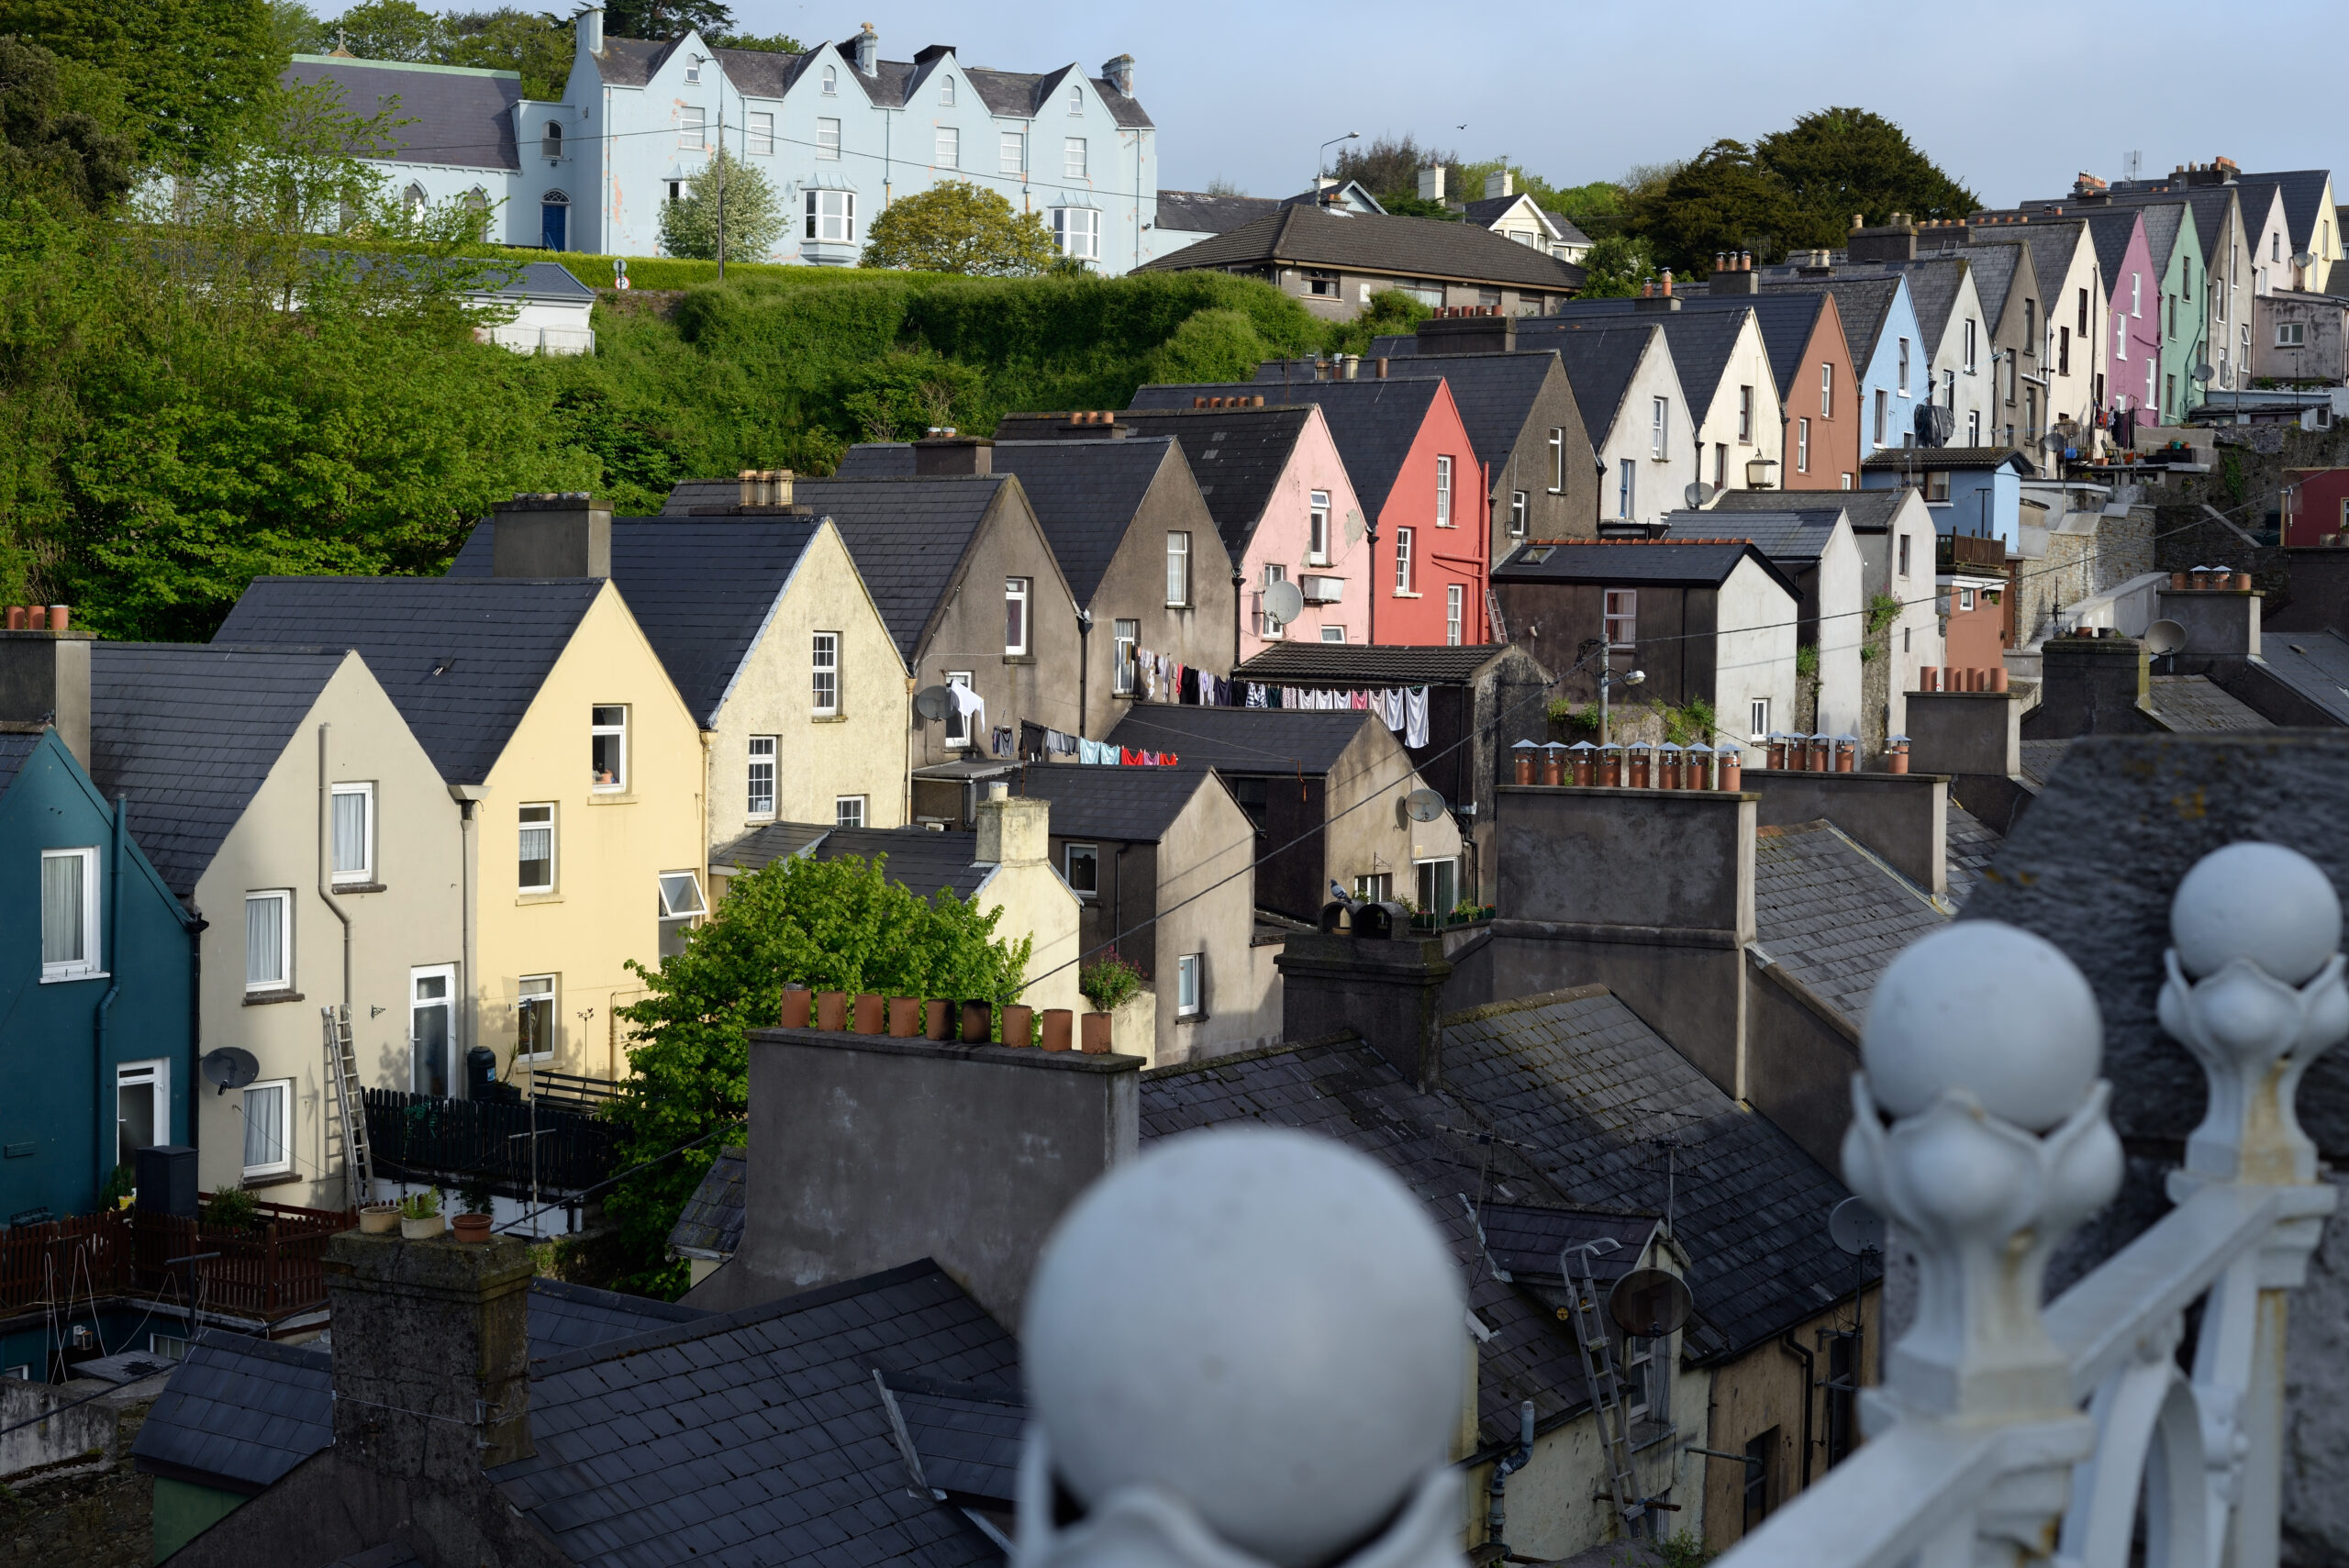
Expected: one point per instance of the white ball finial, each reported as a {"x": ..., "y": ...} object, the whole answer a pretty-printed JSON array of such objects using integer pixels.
[
  {"x": 2262, "y": 902},
  {"x": 1987, "y": 1007},
  {"x": 1260, "y": 1321}
]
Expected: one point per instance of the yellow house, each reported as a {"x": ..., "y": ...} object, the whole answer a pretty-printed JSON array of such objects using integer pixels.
[
  {"x": 767, "y": 630},
  {"x": 579, "y": 767}
]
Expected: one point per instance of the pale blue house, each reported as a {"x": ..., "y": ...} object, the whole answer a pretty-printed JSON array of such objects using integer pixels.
[
  {"x": 1889, "y": 353},
  {"x": 1971, "y": 490},
  {"x": 838, "y": 131}
]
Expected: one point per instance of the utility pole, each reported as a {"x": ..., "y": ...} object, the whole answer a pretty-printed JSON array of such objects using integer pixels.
[{"x": 721, "y": 192}]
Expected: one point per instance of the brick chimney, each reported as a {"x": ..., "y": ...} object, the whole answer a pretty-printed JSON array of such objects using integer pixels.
[
  {"x": 1894, "y": 242},
  {"x": 45, "y": 679},
  {"x": 431, "y": 1355},
  {"x": 946, "y": 453},
  {"x": 1735, "y": 274},
  {"x": 1494, "y": 334},
  {"x": 1119, "y": 73},
  {"x": 552, "y": 534}
]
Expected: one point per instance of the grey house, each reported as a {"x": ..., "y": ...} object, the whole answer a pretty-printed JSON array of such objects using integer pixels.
[{"x": 1142, "y": 555}]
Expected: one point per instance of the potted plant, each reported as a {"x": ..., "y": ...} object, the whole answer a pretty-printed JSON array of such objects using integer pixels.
[
  {"x": 477, "y": 1197},
  {"x": 420, "y": 1215},
  {"x": 378, "y": 1218},
  {"x": 1108, "y": 982}
]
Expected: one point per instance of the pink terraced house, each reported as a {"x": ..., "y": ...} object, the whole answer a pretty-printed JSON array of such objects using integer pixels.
[{"x": 2132, "y": 351}]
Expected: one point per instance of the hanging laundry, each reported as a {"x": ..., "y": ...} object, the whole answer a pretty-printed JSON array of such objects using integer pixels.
[
  {"x": 1256, "y": 695},
  {"x": 1358, "y": 700},
  {"x": 1415, "y": 717},
  {"x": 1127, "y": 757},
  {"x": 1390, "y": 707},
  {"x": 1059, "y": 743}
]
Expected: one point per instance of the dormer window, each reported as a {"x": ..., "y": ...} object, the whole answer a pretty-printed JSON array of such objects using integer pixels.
[
  {"x": 1077, "y": 100},
  {"x": 551, "y": 140},
  {"x": 946, "y": 93},
  {"x": 832, "y": 82}
]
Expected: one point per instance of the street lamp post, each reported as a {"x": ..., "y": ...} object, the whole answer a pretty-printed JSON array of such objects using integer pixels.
[
  {"x": 1607, "y": 679},
  {"x": 1321, "y": 163}
]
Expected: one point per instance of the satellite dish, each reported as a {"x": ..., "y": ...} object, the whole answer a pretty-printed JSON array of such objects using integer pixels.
[
  {"x": 1648, "y": 1304},
  {"x": 230, "y": 1067},
  {"x": 932, "y": 703},
  {"x": 1697, "y": 495},
  {"x": 1423, "y": 805},
  {"x": 2304, "y": 257},
  {"x": 1284, "y": 600},
  {"x": 2165, "y": 637},
  {"x": 1856, "y": 1227},
  {"x": 2205, "y": 374}
]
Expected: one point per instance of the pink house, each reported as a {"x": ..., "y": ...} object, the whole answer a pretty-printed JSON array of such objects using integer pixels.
[
  {"x": 1278, "y": 492},
  {"x": 2131, "y": 358}
]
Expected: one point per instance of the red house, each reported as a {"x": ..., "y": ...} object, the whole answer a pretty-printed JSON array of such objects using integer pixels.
[
  {"x": 1408, "y": 456},
  {"x": 2316, "y": 503}
]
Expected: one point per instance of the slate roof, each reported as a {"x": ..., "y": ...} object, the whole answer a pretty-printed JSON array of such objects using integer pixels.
[
  {"x": 908, "y": 536},
  {"x": 460, "y": 658},
  {"x": 1832, "y": 913},
  {"x": 1199, "y": 212},
  {"x": 1995, "y": 268},
  {"x": 1794, "y": 537},
  {"x": 2052, "y": 244},
  {"x": 1933, "y": 287},
  {"x": 1787, "y": 319},
  {"x": 710, "y": 1225},
  {"x": 764, "y": 73},
  {"x": 1244, "y": 740},
  {"x": 1871, "y": 511},
  {"x": 1134, "y": 804},
  {"x": 757, "y": 1436},
  {"x": 1237, "y": 456},
  {"x": 1378, "y": 243},
  {"x": 1701, "y": 342},
  {"x": 1346, "y": 1091},
  {"x": 1373, "y": 422},
  {"x": 2196, "y": 705},
  {"x": 1569, "y": 232},
  {"x": 920, "y": 859},
  {"x": 1494, "y": 394},
  {"x": 2303, "y": 192},
  {"x": 15, "y": 750},
  {"x": 463, "y": 116},
  {"x": 2313, "y": 663},
  {"x": 2039, "y": 759},
  {"x": 1865, "y": 304},
  {"x": 1368, "y": 665},
  {"x": 2111, "y": 231},
  {"x": 1689, "y": 562},
  {"x": 702, "y": 589},
  {"x": 239, "y": 1412},
  {"x": 2162, "y": 221},
  {"x": 1600, "y": 361},
  {"x": 1902, "y": 459},
  {"x": 1969, "y": 847},
  {"x": 761, "y": 845},
  {"x": 189, "y": 732},
  {"x": 1585, "y": 1089},
  {"x": 566, "y": 1317},
  {"x": 966, "y": 1440}
]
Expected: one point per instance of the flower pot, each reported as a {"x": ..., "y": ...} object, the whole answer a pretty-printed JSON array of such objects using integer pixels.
[
  {"x": 796, "y": 1002},
  {"x": 1018, "y": 1025},
  {"x": 472, "y": 1227},
  {"x": 978, "y": 1018},
  {"x": 831, "y": 1009},
  {"x": 379, "y": 1218},
  {"x": 1093, "y": 1034},
  {"x": 871, "y": 1008},
  {"x": 1059, "y": 1029},
  {"x": 937, "y": 1020},
  {"x": 425, "y": 1229},
  {"x": 905, "y": 1018}
]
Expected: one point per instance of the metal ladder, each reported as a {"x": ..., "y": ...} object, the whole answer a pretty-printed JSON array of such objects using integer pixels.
[
  {"x": 1606, "y": 1386},
  {"x": 351, "y": 1109}
]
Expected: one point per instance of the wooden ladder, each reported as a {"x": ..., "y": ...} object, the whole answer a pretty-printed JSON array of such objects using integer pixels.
[
  {"x": 1605, "y": 1387},
  {"x": 349, "y": 1121}
]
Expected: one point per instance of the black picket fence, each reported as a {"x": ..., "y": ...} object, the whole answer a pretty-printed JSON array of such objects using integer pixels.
[{"x": 419, "y": 1135}]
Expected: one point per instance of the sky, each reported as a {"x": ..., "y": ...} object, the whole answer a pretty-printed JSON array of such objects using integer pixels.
[{"x": 2012, "y": 99}]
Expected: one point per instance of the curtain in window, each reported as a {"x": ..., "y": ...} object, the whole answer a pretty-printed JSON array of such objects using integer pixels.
[
  {"x": 60, "y": 909},
  {"x": 266, "y": 1122},
  {"x": 264, "y": 940},
  {"x": 349, "y": 832}
]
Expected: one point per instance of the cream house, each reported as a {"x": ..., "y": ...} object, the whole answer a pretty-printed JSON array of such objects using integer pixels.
[
  {"x": 282, "y": 796},
  {"x": 765, "y": 626},
  {"x": 578, "y": 768}
]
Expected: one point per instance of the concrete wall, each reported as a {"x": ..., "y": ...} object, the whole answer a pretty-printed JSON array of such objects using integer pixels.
[
  {"x": 1902, "y": 816},
  {"x": 2091, "y": 685},
  {"x": 1914, "y": 637},
  {"x": 1765, "y": 1390},
  {"x": 819, "y": 759},
  {"x": 1388, "y": 992},
  {"x": 1378, "y": 837},
  {"x": 1754, "y": 655},
  {"x": 409, "y": 916},
  {"x": 868, "y": 1152},
  {"x": 2322, "y": 354},
  {"x": 1965, "y": 733},
  {"x": 2220, "y": 624},
  {"x": 1838, "y": 625},
  {"x": 1799, "y": 1053},
  {"x": 1200, "y": 633}
]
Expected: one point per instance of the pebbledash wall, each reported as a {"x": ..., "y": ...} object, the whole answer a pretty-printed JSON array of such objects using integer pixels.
[{"x": 839, "y": 132}]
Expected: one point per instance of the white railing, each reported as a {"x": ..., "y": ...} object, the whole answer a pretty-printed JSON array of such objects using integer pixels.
[{"x": 2005, "y": 1432}]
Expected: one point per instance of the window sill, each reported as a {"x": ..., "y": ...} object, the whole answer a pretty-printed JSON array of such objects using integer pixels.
[
  {"x": 538, "y": 898},
  {"x": 1190, "y": 1017},
  {"x": 827, "y": 718},
  {"x": 358, "y": 888},
  {"x": 614, "y": 797},
  {"x": 78, "y": 974},
  {"x": 269, "y": 1178},
  {"x": 270, "y": 998},
  {"x": 1019, "y": 658},
  {"x": 1404, "y": 594}
]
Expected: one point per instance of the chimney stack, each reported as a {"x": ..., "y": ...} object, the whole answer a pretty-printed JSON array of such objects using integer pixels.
[
  {"x": 1119, "y": 73},
  {"x": 1431, "y": 183},
  {"x": 1735, "y": 275},
  {"x": 1013, "y": 829},
  {"x": 45, "y": 679},
  {"x": 868, "y": 52},
  {"x": 766, "y": 486},
  {"x": 943, "y": 453},
  {"x": 590, "y": 29},
  {"x": 1499, "y": 182},
  {"x": 1467, "y": 334},
  {"x": 552, "y": 534}
]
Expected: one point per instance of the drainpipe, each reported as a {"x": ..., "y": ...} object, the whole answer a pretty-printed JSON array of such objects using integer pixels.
[
  {"x": 1786, "y": 1343},
  {"x": 112, "y": 959},
  {"x": 1503, "y": 1468},
  {"x": 466, "y": 1018},
  {"x": 197, "y": 925},
  {"x": 1083, "y": 668},
  {"x": 325, "y": 859},
  {"x": 1370, "y": 531},
  {"x": 1239, "y": 612}
]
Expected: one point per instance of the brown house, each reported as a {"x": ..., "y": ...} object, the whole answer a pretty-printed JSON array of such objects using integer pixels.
[{"x": 1133, "y": 535}]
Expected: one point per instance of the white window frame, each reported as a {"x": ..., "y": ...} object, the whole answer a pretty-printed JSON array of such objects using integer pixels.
[
  {"x": 1619, "y": 608},
  {"x": 91, "y": 959},
  {"x": 365, "y": 794},
  {"x": 1883, "y": 413},
  {"x": 693, "y": 68},
  {"x": 1403, "y": 561},
  {"x": 1077, "y": 100},
  {"x": 1076, "y": 231},
  {"x": 1455, "y": 607},
  {"x": 832, "y": 82},
  {"x": 1125, "y": 637},
  {"x": 1757, "y": 714},
  {"x": 1970, "y": 361},
  {"x": 2137, "y": 294},
  {"x": 1827, "y": 389},
  {"x": 761, "y": 139},
  {"x": 1017, "y": 592},
  {"x": 283, "y": 980},
  {"x": 956, "y": 719},
  {"x": 1190, "y": 985},
  {"x": 693, "y": 127},
  {"x": 849, "y": 811},
  {"x": 1091, "y": 855},
  {"x": 824, "y": 675},
  {"x": 1558, "y": 460},
  {"x": 525, "y": 823},
  {"x": 1443, "y": 491},
  {"x": 759, "y": 777},
  {"x": 1317, "y": 529},
  {"x": 1267, "y": 624},
  {"x": 1333, "y": 634},
  {"x": 946, "y": 150},
  {"x": 946, "y": 92},
  {"x": 153, "y": 1079},
  {"x": 1430, "y": 876},
  {"x": 1659, "y": 425},
  {"x": 550, "y": 140},
  {"x": 1627, "y": 489},
  {"x": 283, "y": 1115},
  {"x": 1517, "y": 510},
  {"x": 1802, "y": 446},
  {"x": 1178, "y": 570},
  {"x": 828, "y": 139},
  {"x": 1904, "y": 555},
  {"x": 830, "y": 216},
  {"x": 1011, "y": 152},
  {"x": 680, "y": 905},
  {"x": 525, "y": 1000},
  {"x": 1904, "y": 368},
  {"x": 1075, "y": 159},
  {"x": 597, "y": 727},
  {"x": 2292, "y": 335},
  {"x": 1974, "y": 426}
]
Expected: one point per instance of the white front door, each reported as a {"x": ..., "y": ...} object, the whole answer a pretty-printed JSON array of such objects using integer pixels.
[
  {"x": 143, "y": 1107},
  {"x": 432, "y": 1029}
]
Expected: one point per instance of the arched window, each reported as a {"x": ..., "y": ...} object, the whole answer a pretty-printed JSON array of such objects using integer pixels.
[
  {"x": 413, "y": 200},
  {"x": 946, "y": 92},
  {"x": 693, "y": 69},
  {"x": 832, "y": 82},
  {"x": 551, "y": 140},
  {"x": 1077, "y": 100}
]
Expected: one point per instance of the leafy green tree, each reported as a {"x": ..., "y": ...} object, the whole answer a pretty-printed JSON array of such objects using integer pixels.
[
  {"x": 1405, "y": 204},
  {"x": 1617, "y": 266},
  {"x": 295, "y": 28},
  {"x": 1389, "y": 166},
  {"x": 955, "y": 227},
  {"x": 1838, "y": 162},
  {"x": 666, "y": 18},
  {"x": 537, "y": 47},
  {"x": 831, "y": 925},
  {"x": 48, "y": 146},
  {"x": 392, "y": 30},
  {"x": 1390, "y": 312},
  {"x": 1597, "y": 209},
  {"x": 761, "y": 43},
  {"x": 730, "y": 191},
  {"x": 1723, "y": 199},
  {"x": 190, "y": 69}
]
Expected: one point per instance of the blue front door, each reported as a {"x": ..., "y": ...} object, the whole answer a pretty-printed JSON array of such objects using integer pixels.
[{"x": 554, "y": 226}]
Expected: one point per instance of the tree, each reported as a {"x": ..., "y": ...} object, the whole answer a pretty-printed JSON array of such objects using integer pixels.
[
  {"x": 753, "y": 217},
  {"x": 666, "y": 18},
  {"x": 761, "y": 43},
  {"x": 1839, "y": 162},
  {"x": 392, "y": 30},
  {"x": 535, "y": 46},
  {"x": 1387, "y": 166},
  {"x": 955, "y": 227},
  {"x": 1723, "y": 199},
  {"x": 831, "y": 925},
  {"x": 51, "y": 149},
  {"x": 1615, "y": 267},
  {"x": 190, "y": 70},
  {"x": 1389, "y": 312}
]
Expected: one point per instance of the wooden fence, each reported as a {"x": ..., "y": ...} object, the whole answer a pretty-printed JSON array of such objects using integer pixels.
[{"x": 271, "y": 1269}]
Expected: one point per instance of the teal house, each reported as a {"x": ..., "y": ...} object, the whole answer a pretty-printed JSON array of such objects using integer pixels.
[{"x": 96, "y": 954}]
